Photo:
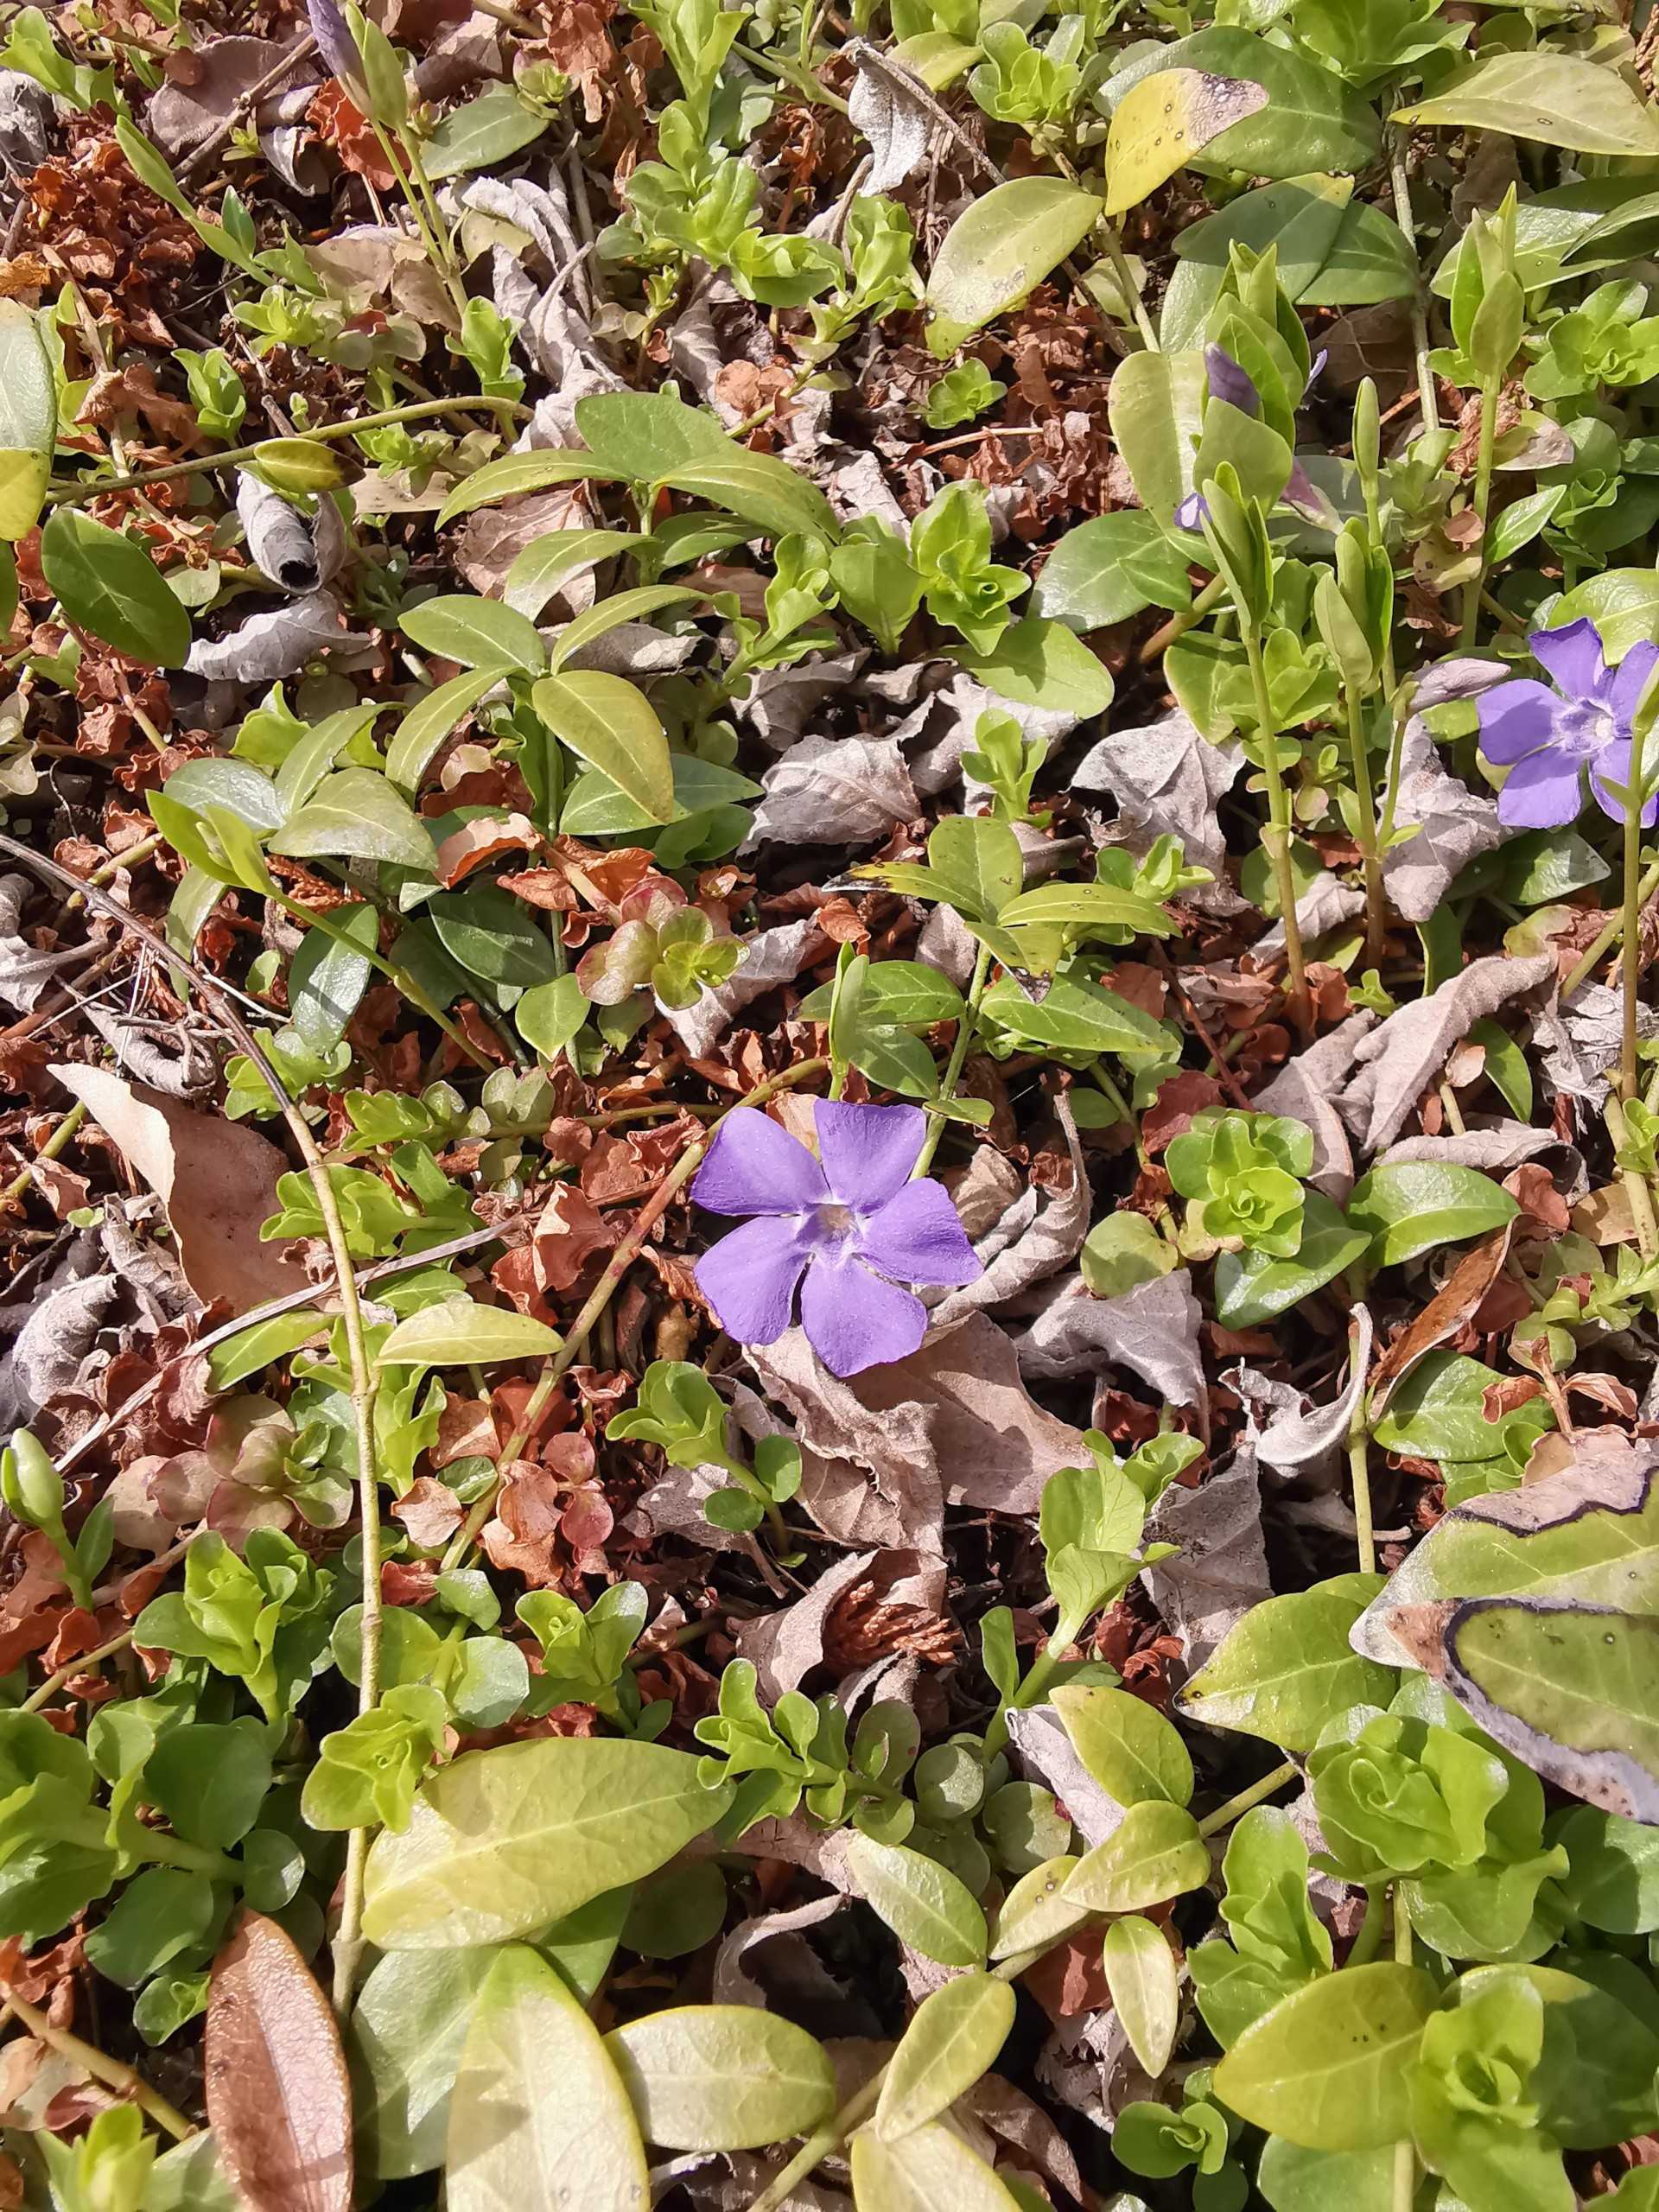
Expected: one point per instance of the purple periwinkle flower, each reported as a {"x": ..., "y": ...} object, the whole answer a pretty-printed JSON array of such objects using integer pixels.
[
  {"x": 1229, "y": 382},
  {"x": 335, "y": 41},
  {"x": 1547, "y": 737},
  {"x": 846, "y": 1228}
]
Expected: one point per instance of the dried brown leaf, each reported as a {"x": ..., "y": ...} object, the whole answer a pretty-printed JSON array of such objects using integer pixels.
[{"x": 278, "y": 2096}]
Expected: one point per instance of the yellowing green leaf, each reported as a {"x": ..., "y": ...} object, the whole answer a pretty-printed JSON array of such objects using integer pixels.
[
  {"x": 539, "y": 2121},
  {"x": 458, "y": 1330},
  {"x": 931, "y": 2170},
  {"x": 1145, "y": 1982},
  {"x": 722, "y": 2077},
  {"x": 1163, "y": 121},
  {"x": 611, "y": 724},
  {"x": 505, "y": 1840},
  {"x": 953, "y": 2039},
  {"x": 1326, "y": 2066},
  {"x": 28, "y": 420},
  {"x": 1556, "y": 99},
  {"x": 1000, "y": 249},
  {"x": 1155, "y": 1852},
  {"x": 922, "y": 1902},
  {"x": 1125, "y": 1743}
]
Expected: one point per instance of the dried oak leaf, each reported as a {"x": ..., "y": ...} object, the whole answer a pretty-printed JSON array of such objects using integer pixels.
[{"x": 279, "y": 2100}]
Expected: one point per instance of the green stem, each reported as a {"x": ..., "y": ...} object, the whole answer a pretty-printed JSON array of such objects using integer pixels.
[
  {"x": 1276, "y": 836},
  {"x": 1237, "y": 1807},
  {"x": 1477, "y": 583},
  {"x": 953, "y": 1066},
  {"x": 1359, "y": 1447},
  {"x": 1179, "y": 623},
  {"x": 54, "y": 1145},
  {"x": 1427, "y": 398},
  {"x": 1405, "y": 2154},
  {"x": 1611, "y": 934},
  {"x": 1376, "y": 913},
  {"x": 1127, "y": 284},
  {"x": 1369, "y": 1941},
  {"x": 318, "y": 918},
  {"x": 1031, "y": 1690},
  {"x": 1631, "y": 949},
  {"x": 81, "y": 495},
  {"x": 443, "y": 262},
  {"x": 195, "y": 1859},
  {"x": 66, "y": 1673}
]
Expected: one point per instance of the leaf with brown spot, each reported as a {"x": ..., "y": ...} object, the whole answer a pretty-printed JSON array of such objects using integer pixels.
[{"x": 278, "y": 2096}]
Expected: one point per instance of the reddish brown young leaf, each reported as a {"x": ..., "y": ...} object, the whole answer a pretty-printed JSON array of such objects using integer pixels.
[{"x": 278, "y": 2097}]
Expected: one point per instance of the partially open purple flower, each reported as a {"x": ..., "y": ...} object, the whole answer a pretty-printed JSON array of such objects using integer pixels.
[
  {"x": 1228, "y": 381},
  {"x": 846, "y": 1228},
  {"x": 1546, "y": 738}
]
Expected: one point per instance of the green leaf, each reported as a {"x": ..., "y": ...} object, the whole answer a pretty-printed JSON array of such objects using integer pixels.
[
  {"x": 327, "y": 979},
  {"x": 108, "y": 584},
  {"x": 612, "y": 725},
  {"x": 1134, "y": 1754},
  {"x": 160, "y": 1916},
  {"x": 210, "y": 1779},
  {"x": 1295, "y": 2180},
  {"x": 354, "y": 814},
  {"x": 595, "y": 808},
  {"x": 1155, "y": 408},
  {"x": 1613, "y": 1881},
  {"x": 1077, "y": 1017},
  {"x": 722, "y": 2078},
  {"x": 1326, "y": 2067},
  {"x": 1153, "y": 1853},
  {"x": 256, "y": 1347},
  {"x": 922, "y": 1902},
  {"x": 549, "y": 1015},
  {"x": 610, "y": 614},
  {"x": 535, "y": 575},
  {"x": 1438, "y": 1412},
  {"x": 416, "y": 741},
  {"x": 28, "y": 420},
  {"x": 505, "y": 1841},
  {"x": 457, "y": 1333},
  {"x": 1105, "y": 570},
  {"x": 408, "y": 2028},
  {"x": 1037, "y": 1911},
  {"x": 931, "y": 2170},
  {"x": 953, "y": 2038},
  {"x": 494, "y": 936},
  {"x": 654, "y": 438},
  {"x": 1555, "y": 99},
  {"x": 539, "y": 2119},
  {"x": 1252, "y": 1286},
  {"x": 767, "y": 491},
  {"x": 490, "y": 129},
  {"x": 477, "y": 633},
  {"x": 517, "y": 473},
  {"x": 1145, "y": 1984},
  {"x": 1310, "y": 120},
  {"x": 1165, "y": 119},
  {"x": 1623, "y": 603},
  {"x": 1287, "y": 1667},
  {"x": 1038, "y": 663},
  {"x": 1000, "y": 249},
  {"x": 978, "y": 862},
  {"x": 1417, "y": 1205}
]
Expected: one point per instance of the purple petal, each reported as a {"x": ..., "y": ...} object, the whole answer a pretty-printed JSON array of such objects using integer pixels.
[
  {"x": 917, "y": 1238},
  {"x": 1304, "y": 494},
  {"x": 1316, "y": 369},
  {"x": 1572, "y": 656},
  {"x": 868, "y": 1151},
  {"x": 755, "y": 1166},
  {"x": 1615, "y": 765},
  {"x": 1624, "y": 691},
  {"x": 854, "y": 1319},
  {"x": 749, "y": 1278},
  {"x": 1516, "y": 718},
  {"x": 1192, "y": 513},
  {"x": 335, "y": 41},
  {"x": 1230, "y": 383},
  {"x": 1543, "y": 792}
]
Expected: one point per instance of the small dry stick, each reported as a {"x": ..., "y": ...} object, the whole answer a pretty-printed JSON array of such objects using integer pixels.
[
  {"x": 113, "y": 2072},
  {"x": 245, "y": 104}
]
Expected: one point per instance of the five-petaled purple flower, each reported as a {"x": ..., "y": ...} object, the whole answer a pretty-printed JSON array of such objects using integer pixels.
[
  {"x": 1546, "y": 738},
  {"x": 1228, "y": 381},
  {"x": 848, "y": 1227}
]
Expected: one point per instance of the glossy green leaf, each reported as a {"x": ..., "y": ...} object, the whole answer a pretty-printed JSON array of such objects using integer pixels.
[
  {"x": 1075, "y": 1016},
  {"x": 503, "y": 1842},
  {"x": 953, "y": 2038},
  {"x": 1134, "y": 1754},
  {"x": 1295, "y": 2180},
  {"x": 106, "y": 582},
  {"x": 477, "y": 633},
  {"x": 540, "y": 568},
  {"x": 1554, "y": 99},
  {"x": 539, "y": 2119},
  {"x": 612, "y": 725},
  {"x": 1310, "y": 119},
  {"x": 1326, "y": 2067},
  {"x": 1417, "y": 1205},
  {"x": 408, "y": 2030},
  {"x": 722, "y": 2078},
  {"x": 493, "y": 936},
  {"x": 416, "y": 741},
  {"x": 1153, "y": 1853},
  {"x": 354, "y": 814},
  {"x": 550, "y": 1014},
  {"x": 1155, "y": 408},
  {"x": 1037, "y": 1911},
  {"x": 517, "y": 474},
  {"x": 1105, "y": 570},
  {"x": 1000, "y": 249},
  {"x": 327, "y": 979},
  {"x": 1287, "y": 1667},
  {"x": 1252, "y": 1286},
  {"x": 1145, "y": 1983},
  {"x": 28, "y": 420},
  {"x": 458, "y": 1331},
  {"x": 922, "y": 1902},
  {"x": 1038, "y": 664},
  {"x": 492, "y": 128}
]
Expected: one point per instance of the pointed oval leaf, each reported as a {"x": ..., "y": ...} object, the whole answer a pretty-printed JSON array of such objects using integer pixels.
[
  {"x": 1555, "y": 99},
  {"x": 505, "y": 1840},
  {"x": 492, "y": 127},
  {"x": 1288, "y": 1666},
  {"x": 922, "y": 1902},
  {"x": 279, "y": 2100},
  {"x": 458, "y": 1330},
  {"x": 477, "y": 633},
  {"x": 517, "y": 473},
  {"x": 28, "y": 420},
  {"x": 539, "y": 2121},
  {"x": 354, "y": 814},
  {"x": 408, "y": 2030},
  {"x": 542, "y": 566},
  {"x": 1155, "y": 1853},
  {"x": 611, "y": 724},
  {"x": 1326, "y": 2067},
  {"x": 931, "y": 2170},
  {"x": 1125, "y": 1743},
  {"x": 1155, "y": 407},
  {"x": 1000, "y": 249},
  {"x": 722, "y": 2077},
  {"x": 1146, "y": 1985},
  {"x": 108, "y": 584},
  {"x": 1162, "y": 122},
  {"x": 1037, "y": 1911},
  {"x": 415, "y": 744},
  {"x": 953, "y": 2039}
]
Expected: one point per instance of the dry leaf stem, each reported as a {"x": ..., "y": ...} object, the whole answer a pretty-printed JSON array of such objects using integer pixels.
[{"x": 113, "y": 2072}]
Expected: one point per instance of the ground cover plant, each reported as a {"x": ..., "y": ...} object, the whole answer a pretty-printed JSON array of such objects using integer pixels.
[{"x": 832, "y": 1120}]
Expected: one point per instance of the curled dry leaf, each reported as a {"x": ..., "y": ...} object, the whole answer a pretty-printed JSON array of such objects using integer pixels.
[{"x": 279, "y": 2099}]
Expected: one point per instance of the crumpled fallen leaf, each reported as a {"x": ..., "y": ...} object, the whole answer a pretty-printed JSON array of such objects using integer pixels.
[
  {"x": 788, "y": 1645},
  {"x": 1304, "y": 1089},
  {"x": 277, "y": 644},
  {"x": 1168, "y": 779},
  {"x": 222, "y": 1173},
  {"x": 898, "y": 128},
  {"x": 297, "y": 552},
  {"x": 279, "y": 2100},
  {"x": 1151, "y": 1330},
  {"x": 1403, "y": 1055},
  {"x": 1039, "y": 1233},
  {"x": 1306, "y": 1444},
  {"x": 834, "y": 791},
  {"x": 1456, "y": 824},
  {"x": 1221, "y": 1569}
]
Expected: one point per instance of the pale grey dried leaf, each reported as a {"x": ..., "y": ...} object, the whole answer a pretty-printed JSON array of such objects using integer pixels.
[
  {"x": 1325, "y": 905},
  {"x": 946, "y": 943},
  {"x": 26, "y": 122},
  {"x": 770, "y": 958},
  {"x": 1039, "y": 1233},
  {"x": 787, "y": 1645},
  {"x": 1304, "y": 1090},
  {"x": 854, "y": 484},
  {"x": 1493, "y": 1150},
  {"x": 492, "y": 538},
  {"x": 297, "y": 552},
  {"x": 44, "y": 1358},
  {"x": 1464, "y": 675},
  {"x": 1402, "y": 1056},
  {"x": 1151, "y": 1330},
  {"x": 834, "y": 791},
  {"x": 634, "y": 649},
  {"x": 268, "y": 646},
  {"x": 1456, "y": 824},
  {"x": 1012, "y": 2117},
  {"x": 898, "y": 128},
  {"x": 733, "y": 1983},
  {"x": 221, "y": 71},
  {"x": 1581, "y": 1039},
  {"x": 780, "y": 702},
  {"x": 1045, "y": 1755},
  {"x": 1307, "y": 1444},
  {"x": 25, "y": 971},
  {"x": 1168, "y": 781},
  {"x": 375, "y": 266},
  {"x": 174, "y": 1060},
  {"x": 1221, "y": 1570},
  {"x": 945, "y": 725}
]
